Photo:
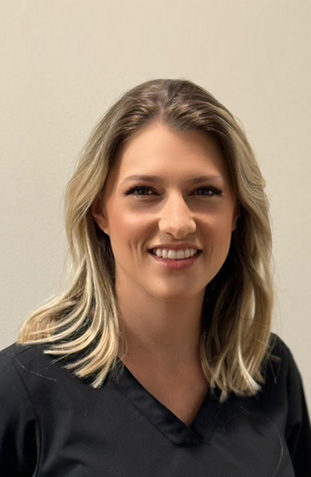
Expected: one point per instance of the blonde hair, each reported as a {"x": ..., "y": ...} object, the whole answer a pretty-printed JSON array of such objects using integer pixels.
[{"x": 82, "y": 324}]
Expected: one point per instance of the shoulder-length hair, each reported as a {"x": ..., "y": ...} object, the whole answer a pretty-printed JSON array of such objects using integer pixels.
[{"x": 82, "y": 324}]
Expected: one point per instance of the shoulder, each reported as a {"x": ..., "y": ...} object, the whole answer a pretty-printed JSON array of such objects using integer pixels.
[
  {"x": 282, "y": 366},
  {"x": 14, "y": 360},
  {"x": 278, "y": 347},
  {"x": 30, "y": 375},
  {"x": 9, "y": 357},
  {"x": 282, "y": 395},
  {"x": 15, "y": 349},
  {"x": 18, "y": 356},
  {"x": 23, "y": 370},
  {"x": 282, "y": 376},
  {"x": 18, "y": 419},
  {"x": 280, "y": 362}
]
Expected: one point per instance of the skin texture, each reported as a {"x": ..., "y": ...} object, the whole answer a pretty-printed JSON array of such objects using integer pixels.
[
  {"x": 167, "y": 190},
  {"x": 152, "y": 201}
]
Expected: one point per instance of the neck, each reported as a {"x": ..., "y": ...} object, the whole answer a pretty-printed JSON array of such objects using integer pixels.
[{"x": 161, "y": 328}]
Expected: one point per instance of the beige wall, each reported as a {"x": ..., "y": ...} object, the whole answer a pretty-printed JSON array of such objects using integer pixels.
[{"x": 64, "y": 61}]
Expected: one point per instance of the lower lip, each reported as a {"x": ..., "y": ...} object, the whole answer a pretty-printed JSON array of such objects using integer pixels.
[{"x": 176, "y": 264}]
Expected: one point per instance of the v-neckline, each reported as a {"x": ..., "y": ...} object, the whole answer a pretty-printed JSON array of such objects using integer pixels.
[{"x": 165, "y": 421}]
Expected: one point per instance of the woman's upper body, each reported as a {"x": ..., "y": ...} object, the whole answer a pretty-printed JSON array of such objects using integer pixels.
[
  {"x": 169, "y": 231},
  {"x": 52, "y": 423}
]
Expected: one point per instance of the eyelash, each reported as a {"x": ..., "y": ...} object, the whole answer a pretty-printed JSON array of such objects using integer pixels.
[
  {"x": 145, "y": 191},
  {"x": 208, "y": 191}
]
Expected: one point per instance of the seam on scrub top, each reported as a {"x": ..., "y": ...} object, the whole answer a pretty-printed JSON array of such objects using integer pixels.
[
  {"x": 38, "y": 426},
  {"x": 257, "y": 414},
  {"x": 33, "y": 372}
]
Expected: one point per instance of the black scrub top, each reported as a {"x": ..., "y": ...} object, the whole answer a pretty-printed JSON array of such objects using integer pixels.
[{"x": 53, "y": 424}]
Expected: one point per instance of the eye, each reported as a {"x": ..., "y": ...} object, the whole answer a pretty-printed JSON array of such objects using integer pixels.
[
  {"x": 141, "y": 191},
  {"x": 208, "y": 191}
]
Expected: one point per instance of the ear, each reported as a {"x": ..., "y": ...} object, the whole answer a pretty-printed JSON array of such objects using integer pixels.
[
  {"x": 235, "y": 217},
  {"x": 97, "y": 211}
]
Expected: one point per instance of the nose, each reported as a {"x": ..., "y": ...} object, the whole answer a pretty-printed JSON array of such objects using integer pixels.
[{"x": 176, "y": 219}]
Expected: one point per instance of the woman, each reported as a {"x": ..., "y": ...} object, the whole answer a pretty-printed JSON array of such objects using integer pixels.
[{"x": 158, "y": 360}]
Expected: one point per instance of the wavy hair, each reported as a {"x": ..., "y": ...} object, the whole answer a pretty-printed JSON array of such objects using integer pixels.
[{"x": 82, "y": 323}]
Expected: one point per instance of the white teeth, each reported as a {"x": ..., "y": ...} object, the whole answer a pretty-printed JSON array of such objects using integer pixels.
[{"x": 174, "y": 254}]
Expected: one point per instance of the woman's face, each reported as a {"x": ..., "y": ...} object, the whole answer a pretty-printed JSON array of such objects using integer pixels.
[{"x": 169, "y": 211}]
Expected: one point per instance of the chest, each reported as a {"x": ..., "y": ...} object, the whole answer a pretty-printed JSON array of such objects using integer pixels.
[{"x": 121, "y": 430}]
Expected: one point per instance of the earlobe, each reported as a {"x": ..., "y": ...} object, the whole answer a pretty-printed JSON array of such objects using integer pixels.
[
  {"x": 99, "y": 216},
  {"x": 235, "y": 217},
  {"x": 234, "y": 223}
]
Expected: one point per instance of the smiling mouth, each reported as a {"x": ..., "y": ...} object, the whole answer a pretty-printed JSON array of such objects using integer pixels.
[{"x": 171, "y": 254}]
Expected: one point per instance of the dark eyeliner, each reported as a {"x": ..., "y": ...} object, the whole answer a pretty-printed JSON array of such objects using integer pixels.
[
  {"x": 140, "y": 191},
  {"x": 208, "y": 191}
]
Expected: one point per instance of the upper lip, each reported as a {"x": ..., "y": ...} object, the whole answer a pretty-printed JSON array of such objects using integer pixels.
[{"x": 172, "y": 246}]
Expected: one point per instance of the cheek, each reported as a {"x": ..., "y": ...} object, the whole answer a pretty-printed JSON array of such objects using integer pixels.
[
  {"x": 127, "y": 231},
  {"x": 219, "y": 226},
  {"x": 225, "y": 234},
  {"x": 218, "y": 234}
]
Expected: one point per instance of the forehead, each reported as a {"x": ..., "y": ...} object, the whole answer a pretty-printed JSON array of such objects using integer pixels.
[{"x": 158, "y": 146}]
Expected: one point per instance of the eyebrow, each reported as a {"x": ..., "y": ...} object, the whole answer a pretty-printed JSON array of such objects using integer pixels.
[{"x": 153, "y": 179}]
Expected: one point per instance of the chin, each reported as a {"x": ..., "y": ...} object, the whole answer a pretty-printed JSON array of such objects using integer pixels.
[{"x": 179, "y": 295}]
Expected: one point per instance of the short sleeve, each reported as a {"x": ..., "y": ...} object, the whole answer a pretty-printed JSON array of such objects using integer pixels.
[{"x": 18, "y": 453}]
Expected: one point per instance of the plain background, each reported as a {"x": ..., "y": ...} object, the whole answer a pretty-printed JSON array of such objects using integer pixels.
[{"x": 63, "y": 62}]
